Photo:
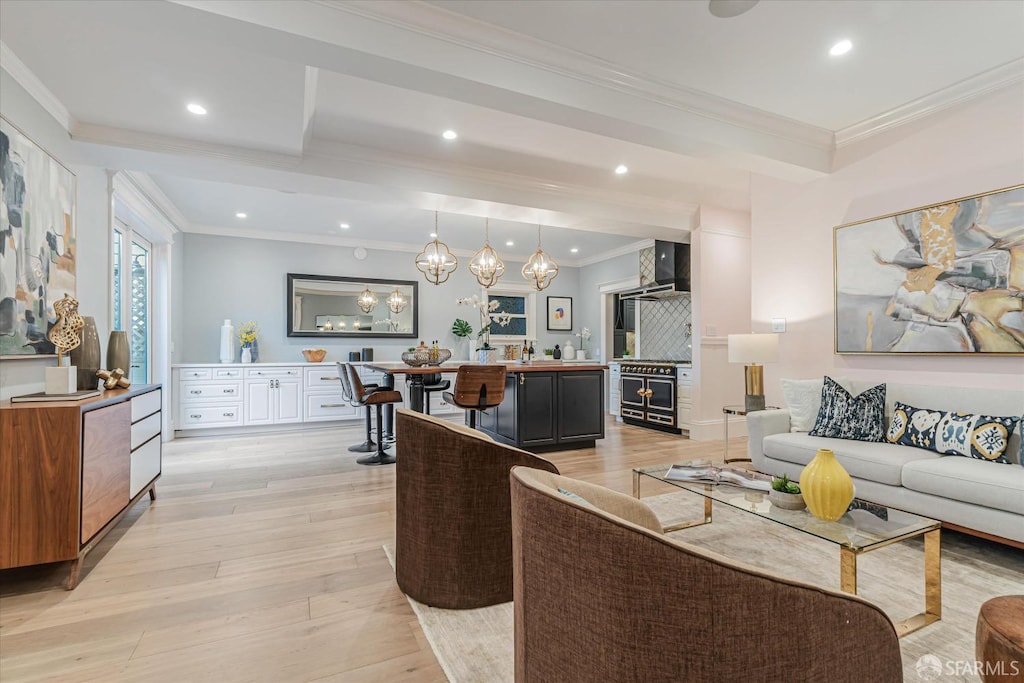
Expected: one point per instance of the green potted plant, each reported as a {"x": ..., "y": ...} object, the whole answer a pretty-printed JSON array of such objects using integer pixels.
[
  {"x": 549, "y": 354},
  {"x": 463, "y": 330},
  {"x": 786, "y": 494}
]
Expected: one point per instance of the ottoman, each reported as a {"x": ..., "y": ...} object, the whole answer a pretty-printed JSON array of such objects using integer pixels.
[{"x": 999, "y": 645}]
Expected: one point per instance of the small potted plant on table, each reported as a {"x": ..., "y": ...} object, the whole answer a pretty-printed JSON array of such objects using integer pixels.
[{"x": 786, "y": 494}]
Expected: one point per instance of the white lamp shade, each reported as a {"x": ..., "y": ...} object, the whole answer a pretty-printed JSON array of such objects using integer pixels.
[{"x": 753, "y": 348}]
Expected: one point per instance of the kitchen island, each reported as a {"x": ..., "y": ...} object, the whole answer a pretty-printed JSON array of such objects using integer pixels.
[{"x": 549, "y": 407}]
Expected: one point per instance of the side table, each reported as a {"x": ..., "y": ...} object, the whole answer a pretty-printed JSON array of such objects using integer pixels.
[{"x": 741, "y": 411}]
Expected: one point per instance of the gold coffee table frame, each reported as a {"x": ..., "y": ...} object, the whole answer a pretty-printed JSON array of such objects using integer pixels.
[{"x": 910, "y": 526}]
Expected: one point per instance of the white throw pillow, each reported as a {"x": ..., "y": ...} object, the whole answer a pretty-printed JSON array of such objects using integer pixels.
[{"x": 803, "y": 398}]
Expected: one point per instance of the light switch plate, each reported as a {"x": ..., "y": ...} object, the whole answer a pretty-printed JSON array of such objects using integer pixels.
[
  {"x": 778, "y": 324},
  {"x": 711, "y": 330}
]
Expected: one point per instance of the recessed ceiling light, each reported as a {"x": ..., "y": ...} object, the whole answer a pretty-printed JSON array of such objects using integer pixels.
[
  {"x": 510, "y": 243},
  {"x": 344, "y": 226},
  {"x": 433, "y": 235},
  {"x": 841, "y": 48},
  {"x": 449, "y": 135},
  {"x": 726, "y": 9},
  {"x": 241, "y": 214},
  {"x": 574, "y": 250},
  {"x": 621, "y": 169},
  {"x": 197, "y": 109}
]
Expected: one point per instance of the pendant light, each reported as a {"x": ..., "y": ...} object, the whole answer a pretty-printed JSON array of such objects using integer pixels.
[
  {"x": 436, "y": 261},
  {"x": 541, "y": 269},
  {"x": 486, "y": 265},
  {"x": 396, "y": 301},
  {"x": 367, "y": 300}
]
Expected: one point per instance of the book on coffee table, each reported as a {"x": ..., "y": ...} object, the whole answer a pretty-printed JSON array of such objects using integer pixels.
[
  {"x": 43, "y": 396},
  {"x": 712, "y": 474}
]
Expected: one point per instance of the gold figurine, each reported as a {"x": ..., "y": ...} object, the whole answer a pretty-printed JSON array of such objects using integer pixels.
[{"x": 64, "y": 333}]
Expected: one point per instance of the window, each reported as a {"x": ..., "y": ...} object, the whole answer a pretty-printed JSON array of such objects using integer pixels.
[{"x": 517, "y": 304}]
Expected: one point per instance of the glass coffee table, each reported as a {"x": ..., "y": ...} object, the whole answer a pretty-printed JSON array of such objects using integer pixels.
[{"x": 864, "y": 527}]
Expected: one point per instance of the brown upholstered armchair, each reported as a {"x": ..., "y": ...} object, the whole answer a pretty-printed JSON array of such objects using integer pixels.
[
  {"x": 604, "y": 596},
  {"x": 453, "y": 545}
]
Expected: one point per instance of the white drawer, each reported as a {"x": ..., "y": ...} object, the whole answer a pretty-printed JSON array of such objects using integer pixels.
[
  {"x": 223, "y": 415},
  {"x": 146, "y": 404},
  {"x": 684, "y": 392},
  {"x": 144, "y": 430},
  {"x": 271, "y": 372},
  {"x": 684, "y": 418},
  {"x": 320, "y": 407},
  {"x": 227, "y": 373},
  {"x": 145, "y": 465},
  {"x": 192, "y": 392},
  {"x": 684, "y": 374},
  {"x": 196, "y": 373},
  {"x": 325, "y": 377}
]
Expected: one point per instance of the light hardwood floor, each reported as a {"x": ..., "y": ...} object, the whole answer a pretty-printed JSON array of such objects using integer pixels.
[{"x": 260, "y": 560}]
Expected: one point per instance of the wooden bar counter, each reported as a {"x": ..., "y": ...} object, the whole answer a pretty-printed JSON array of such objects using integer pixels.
[{"x": 70, "y": 470}]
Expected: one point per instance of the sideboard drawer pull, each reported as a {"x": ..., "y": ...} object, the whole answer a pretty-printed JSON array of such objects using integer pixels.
[
  {"x": 196, "y": 417},
  {"x": 229, "y": 414}
]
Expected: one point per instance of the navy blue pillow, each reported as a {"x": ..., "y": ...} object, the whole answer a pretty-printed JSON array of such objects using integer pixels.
[{"x": 845, "y": 416}]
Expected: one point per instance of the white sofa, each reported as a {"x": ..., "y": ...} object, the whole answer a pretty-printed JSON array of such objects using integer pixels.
[{"x": 972, "y": 494}]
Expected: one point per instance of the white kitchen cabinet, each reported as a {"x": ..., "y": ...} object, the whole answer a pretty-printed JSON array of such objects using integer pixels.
[
  {"x": 273, "y": 395},
  {"x": 614, "y": 389},
  {"x": 684, "y": 398}
]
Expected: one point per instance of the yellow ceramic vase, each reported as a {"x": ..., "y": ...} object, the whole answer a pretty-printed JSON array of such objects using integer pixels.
[{"x": 827, "y": 487}]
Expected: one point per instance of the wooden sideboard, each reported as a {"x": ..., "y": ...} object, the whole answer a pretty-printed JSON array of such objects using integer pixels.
[{"x": 70, "y": 470}]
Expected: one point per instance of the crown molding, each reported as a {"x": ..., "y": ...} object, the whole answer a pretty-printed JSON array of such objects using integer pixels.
[
  {"x": 338, "y": 241},
  {"x": 472, "y": 34},
  {"x": 155, "y": 224},
  {"x": 616, "y": 252},
  {"x": 968, "y": 89},
  {"x": 165, "y": 144},
  {"x": 35, "y": 87},
  {"x": 156, "y": 196}
]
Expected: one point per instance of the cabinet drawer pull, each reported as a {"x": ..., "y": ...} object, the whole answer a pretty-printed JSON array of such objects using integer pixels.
[
  {"x": 522, "y": 378},
  {"x": 196, "y": 417},
  {"x": 229, "y": 391},
  {"x": 328, "y": 379},
  {"x": 332, "y": 405},
  {"x": 196, "y": 391},
  {"x": 229, "y": 414}
]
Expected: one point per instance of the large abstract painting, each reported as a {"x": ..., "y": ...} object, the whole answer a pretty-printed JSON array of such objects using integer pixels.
[
  {"x": 946, "y": 279},
  {"x": 37, "y": 242}
]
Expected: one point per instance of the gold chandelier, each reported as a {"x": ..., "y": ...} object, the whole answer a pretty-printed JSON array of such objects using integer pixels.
[
  {"x": 486, "y": 265},
  {"x": 367, "y": 300},
  {"x": 540, "y": 269},
  {"x": 396, "y": 301},
  {"x": 436, "y": 261}
]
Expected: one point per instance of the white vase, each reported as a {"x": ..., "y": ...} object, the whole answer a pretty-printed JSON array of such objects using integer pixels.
[
  {"x": 568, "y": 351},
  {"x": 246, "y": 354},
  {"x": 581, "y": 355},
  {"x": 472, "y": 349},
  {"x": 227, "y": 342},
  {"x": 487, "y": 356}
]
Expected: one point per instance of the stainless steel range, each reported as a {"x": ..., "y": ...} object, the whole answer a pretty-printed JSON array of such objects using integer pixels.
[{"x": 648, "y": 394}]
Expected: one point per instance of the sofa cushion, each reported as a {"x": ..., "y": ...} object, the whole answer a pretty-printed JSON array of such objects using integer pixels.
[
  {"x": 803, "y": 398},
  {"x": 845, "y": 416},
  {"x": 879, "y": 462},
  {"x": 975, "y": 436},
  {"x": 969, "y": 481}
]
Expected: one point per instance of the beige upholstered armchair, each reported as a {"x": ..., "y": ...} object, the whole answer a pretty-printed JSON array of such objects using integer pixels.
[
  {"x": 453, "y": 545},
  {"x": 602, "y": 595}
]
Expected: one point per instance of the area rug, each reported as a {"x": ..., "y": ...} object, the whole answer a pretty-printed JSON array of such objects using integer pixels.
[{"x": 476, "y": 645}]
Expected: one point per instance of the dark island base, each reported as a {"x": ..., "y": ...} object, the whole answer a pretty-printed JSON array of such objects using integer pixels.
[{"x": 554, "y": 410}]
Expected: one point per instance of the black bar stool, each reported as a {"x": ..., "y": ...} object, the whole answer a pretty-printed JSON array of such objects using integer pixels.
[
  {"x": 432, "y": 384},
  {"x": 478, "y": 387},
  {"x": 367, "y": 446},
  {"x": 376, "y": 397}
]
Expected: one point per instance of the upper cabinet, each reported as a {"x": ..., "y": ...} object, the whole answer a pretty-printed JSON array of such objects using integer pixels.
[{"x": 329, "y": 306}]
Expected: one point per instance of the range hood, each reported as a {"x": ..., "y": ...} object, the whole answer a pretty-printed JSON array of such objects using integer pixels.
[{"x": 664, "y": 272}]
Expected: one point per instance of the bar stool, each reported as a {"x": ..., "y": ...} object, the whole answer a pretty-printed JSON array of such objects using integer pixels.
[
  {"x": 375, "y": 397},
  {"x": 478, "y": 387},
  {"x": 432, "y": 384},
  {"x": 367, "y": 446}
]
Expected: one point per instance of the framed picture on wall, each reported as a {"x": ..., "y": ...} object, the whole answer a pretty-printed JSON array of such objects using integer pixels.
[
  {"x": 940, "y": 279},
  {"x": 560, "y": 313}
]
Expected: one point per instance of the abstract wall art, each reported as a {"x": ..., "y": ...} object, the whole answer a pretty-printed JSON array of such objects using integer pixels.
[
  {"x": 37, "y": 243},
  {"x": 941, "y": 279}
]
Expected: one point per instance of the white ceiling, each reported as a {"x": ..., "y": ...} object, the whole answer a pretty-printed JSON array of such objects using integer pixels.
[{"x": 342, "y": 103}]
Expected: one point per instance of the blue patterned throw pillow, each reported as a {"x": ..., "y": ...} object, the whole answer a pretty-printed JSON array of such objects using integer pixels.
[
  {"x": 974, "y": 436},
  {"x": 845, "y": 416}
]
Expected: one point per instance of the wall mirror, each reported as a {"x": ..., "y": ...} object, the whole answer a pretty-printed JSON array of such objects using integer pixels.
[{"x": 329, "y": 306}]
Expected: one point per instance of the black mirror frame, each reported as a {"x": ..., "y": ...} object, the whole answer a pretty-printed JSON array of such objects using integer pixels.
[{"x": 290, "y": 297}]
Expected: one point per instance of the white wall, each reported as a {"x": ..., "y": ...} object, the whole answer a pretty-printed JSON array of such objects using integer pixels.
[
  {"x": 971, "y": 149},
  {"x": 587, "y": 313},
  {"x": 26, "y": 375},
  {"x": 245, "y": 279}
]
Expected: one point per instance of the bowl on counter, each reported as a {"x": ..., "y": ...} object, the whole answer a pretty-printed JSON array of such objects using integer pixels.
[{"x": 314, "y": 355}]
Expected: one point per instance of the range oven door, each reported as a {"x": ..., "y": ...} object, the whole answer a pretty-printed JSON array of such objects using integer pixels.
[
  {"x": 661, "y": 400},
  {"x": 632, "y": 397}
]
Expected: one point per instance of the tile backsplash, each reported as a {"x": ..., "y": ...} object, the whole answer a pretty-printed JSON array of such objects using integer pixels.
[{"x": 665, "y": 329}]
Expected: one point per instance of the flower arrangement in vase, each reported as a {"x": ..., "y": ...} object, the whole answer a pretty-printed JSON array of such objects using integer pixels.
[
  {"x": 489, "y": 315},
  {"x": 584, "y": 335},
  {"x": 248, "y": 334}
]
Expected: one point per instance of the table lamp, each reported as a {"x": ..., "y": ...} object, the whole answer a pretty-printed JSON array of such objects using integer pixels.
[{"x": 753, "y": 349}]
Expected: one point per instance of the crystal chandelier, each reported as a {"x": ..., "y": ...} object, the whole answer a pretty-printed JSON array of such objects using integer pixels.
[
  {"x": 436, "y": 261},
  {"x": 486, "y": 265},
  {"x": 367, "y": 300},
  {"x": 541, "y": 269},
  {"x": 396, "y": 301}
]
